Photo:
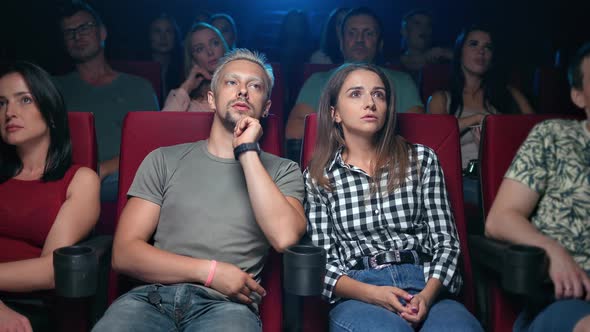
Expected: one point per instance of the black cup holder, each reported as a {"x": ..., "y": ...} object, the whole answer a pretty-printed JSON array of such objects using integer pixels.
[
  {"x": 75, "y": 271},
  {"x": 304, "y": 269}
]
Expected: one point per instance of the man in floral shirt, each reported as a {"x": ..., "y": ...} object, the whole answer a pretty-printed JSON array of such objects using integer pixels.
[{"x": 548, "y": 183}]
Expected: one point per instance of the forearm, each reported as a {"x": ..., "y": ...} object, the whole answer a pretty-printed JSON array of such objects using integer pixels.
[
  {"x": 108, "y": 167},
  {"x": 148, "y": 263},
  {"x": 27, "y": 275},
  {"x": 513, "y": 227},
  {"x": 468, "y": 121},
  {"x": 431, "y": 290},
  {"x": 348, "y": 288},
  {"x": 282, "y": 224}
]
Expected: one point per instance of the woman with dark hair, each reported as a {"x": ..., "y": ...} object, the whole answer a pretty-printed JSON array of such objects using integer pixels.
[
  {"x": 46, "y": 202},
  {"x": 329, "y": 51},
  {"x": 165, "y": 48},
  {"x": 203, "y": 47},
  {"x": 378, "y": 206},
  {"x": 476, "y": 89}
]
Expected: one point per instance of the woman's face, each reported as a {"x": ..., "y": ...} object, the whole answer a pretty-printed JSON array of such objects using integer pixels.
[
  {"x": 226, "y": 30},
  {"x": 362, "y": 104},
  {"x": 162, "y": 36},
  {"x": 206, "y": 49},
  {"x": 21, "y": 122},
  {"x": 477, "y": 52}
]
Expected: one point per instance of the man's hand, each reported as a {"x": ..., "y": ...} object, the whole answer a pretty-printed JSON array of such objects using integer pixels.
[
  {"x": 569, "y": 280},
  {"x": 11, "y": 320},
  {"x": 247, "y": 130},
  {"x": 235, "y": 283},
  {"x": 388, "y": 298},
  {"x": 194, "y": 78}
]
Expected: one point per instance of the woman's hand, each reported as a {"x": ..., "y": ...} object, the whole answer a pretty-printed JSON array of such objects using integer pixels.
[
  {"x": 417, "y": 309},
  {"x": 569, "y": 280},
  {"x": 11, "y": 320},
  {"x": 388, "y": 298},
  {"x": 194, "y": 78}
]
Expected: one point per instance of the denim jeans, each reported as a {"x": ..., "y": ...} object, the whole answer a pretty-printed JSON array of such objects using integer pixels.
[
  {"x": 183, "y": 307},
  {"x": 443, "y": 315},
  {"x": 109, "y": 187},
  {"x": 562, "y": 315}
]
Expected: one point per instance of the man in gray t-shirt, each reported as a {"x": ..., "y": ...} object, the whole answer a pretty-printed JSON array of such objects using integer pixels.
[{"x": 216, "y": 207}]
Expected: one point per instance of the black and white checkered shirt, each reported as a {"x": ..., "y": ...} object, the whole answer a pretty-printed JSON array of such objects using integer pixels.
[{"x": 350, "y": 224}]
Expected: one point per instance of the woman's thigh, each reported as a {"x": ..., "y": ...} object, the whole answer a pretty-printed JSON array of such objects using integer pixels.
[
  {"x": 559, "y": 316},
  {"x": 353, "y": 315},
  {"x": 450, "y": 315}
]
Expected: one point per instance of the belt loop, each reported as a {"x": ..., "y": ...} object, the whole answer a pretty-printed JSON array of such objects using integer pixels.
[
  {"x": 398, "y": 258},
  {"x": 416, "y": 257}
]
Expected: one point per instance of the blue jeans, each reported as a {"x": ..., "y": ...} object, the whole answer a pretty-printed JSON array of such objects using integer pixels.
[
  {"x": 109, "y": 187},
  {"x": 562, "y": 315},
  {"x": 184, "y": 307},
  {"x": 443, "y": 315}
]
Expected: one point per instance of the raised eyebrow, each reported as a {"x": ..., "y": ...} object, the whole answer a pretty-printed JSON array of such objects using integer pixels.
[
  {"x": 355, "y": 88},
  {"x": 379, "y": 88}
]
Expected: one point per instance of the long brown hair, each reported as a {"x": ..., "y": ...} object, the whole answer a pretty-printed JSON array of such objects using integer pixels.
[{"x": 393, "y": 152}]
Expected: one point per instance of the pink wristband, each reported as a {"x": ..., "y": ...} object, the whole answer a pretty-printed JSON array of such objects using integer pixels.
[{"x": 211, "y": 273}]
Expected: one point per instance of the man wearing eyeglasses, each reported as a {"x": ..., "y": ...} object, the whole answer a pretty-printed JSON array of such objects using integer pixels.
[{"x": 95, "y": 87}]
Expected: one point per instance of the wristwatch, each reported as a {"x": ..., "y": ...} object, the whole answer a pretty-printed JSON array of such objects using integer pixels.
[{"x": 238, "y": 150}]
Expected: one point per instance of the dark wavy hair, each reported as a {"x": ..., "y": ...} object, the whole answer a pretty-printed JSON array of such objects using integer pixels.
[
  {"x": 495, "y": 90},
  {"x": 329, "y": 43},
  {"x": 393, "y": 151},
  {"x": 52, "y": 107}
]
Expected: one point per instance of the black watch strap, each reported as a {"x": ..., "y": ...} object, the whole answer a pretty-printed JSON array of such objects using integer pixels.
[{"x": 238, "y": 150}]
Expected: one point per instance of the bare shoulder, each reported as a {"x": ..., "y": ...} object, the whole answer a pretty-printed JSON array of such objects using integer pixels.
[
  {"x": 437, "y": 103},
  {"x": 84, "y": 179}
]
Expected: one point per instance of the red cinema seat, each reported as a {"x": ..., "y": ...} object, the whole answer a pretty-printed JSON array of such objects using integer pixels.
[
  {"x": 144, "y": 132},
  {"x": 434, "y": 77},
  {"x": 83, "y": 136},
  {"x": 553, "y": 92},
  {"x": 502, "y": 136},
  {"x": 441, "y": 133}
]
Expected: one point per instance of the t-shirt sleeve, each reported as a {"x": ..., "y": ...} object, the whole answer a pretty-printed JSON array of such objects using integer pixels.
[
  {"x": 289, "y": 180},
  {"x": 150, "y": 178},
  {"x": 530, "y": 165},
  {"x": 406, "y": 92},
  {"x": 310, "y": 91}
]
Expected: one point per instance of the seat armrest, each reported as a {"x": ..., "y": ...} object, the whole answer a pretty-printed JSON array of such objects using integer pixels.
[
  {"x": 79, "y": 268},
  {"x": 522, "y": 269}
]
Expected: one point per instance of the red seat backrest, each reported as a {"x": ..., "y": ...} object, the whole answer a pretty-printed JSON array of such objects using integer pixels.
[
  {"x": 434, "y": 77},
  {"x": 552, "y": 91},
  {"x": 83, "y": 137},
  {"x": 502, "y": 136},
  {"x": 150, "y": 70},
  {"x": 144, "y": 132},
  {"x": 277, "y": 95},
  {"x": 440, "y": 133}
]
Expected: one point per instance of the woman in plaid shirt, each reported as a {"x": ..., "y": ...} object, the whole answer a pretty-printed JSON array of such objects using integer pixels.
[{"x": 390, "y": 238}]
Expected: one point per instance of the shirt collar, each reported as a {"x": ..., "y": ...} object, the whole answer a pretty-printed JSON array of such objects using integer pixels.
[{"x": 337, "y": 160}]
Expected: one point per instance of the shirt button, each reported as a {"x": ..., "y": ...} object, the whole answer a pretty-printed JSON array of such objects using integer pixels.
[{"x": 376, "y": 212}]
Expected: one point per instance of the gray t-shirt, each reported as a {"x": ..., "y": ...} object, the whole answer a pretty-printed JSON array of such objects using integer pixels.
[
  {"x": 205, "y": 208},
  {"x": 109, "y": 104}
]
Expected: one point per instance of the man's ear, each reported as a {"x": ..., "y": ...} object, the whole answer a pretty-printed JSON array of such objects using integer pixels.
[
  {"x": 578, "y": 98},
  {"x": 266, "y": 108},
  {"x": 211, "y": 100}
]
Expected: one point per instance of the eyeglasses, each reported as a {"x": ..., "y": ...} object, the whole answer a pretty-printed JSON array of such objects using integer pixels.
[{"x": 81, "y": 30}]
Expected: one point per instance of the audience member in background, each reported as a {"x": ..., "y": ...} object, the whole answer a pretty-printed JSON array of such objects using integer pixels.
[
  {"x": 203, "y": 47},
  {"x": 371, "y": 195},
  {"x": 216, "y": 206},
  {"x": 227, "y": 26},
  {"x": 417, "y": 50},
  {"x": 95, "y": 87},
  {"x": 165, "y": 48},
  {"x": 544, "y": 201},
  {"x": 46, "y": 202},
  {"x": 202, "y": 16},
  {"x": 294, "y": 47},
  {"x": 476, "y": 90},
  {"x": 361, "y": 40},
  {"x": 329, "y": 51}
]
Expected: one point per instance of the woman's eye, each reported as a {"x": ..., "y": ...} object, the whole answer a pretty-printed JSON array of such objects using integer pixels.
[
  {"x": 379, "y": 94},
  {"x": 26, "y": 100},
  {"x": 355, "y": 93}
]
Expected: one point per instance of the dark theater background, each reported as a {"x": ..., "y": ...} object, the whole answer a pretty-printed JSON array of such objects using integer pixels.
[{"x": 530, "y": 31}]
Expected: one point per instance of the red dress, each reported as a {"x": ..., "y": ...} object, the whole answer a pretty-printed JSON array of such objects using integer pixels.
[{"x": 27, "y": 212}]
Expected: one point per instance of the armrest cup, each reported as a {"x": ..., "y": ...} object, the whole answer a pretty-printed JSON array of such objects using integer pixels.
[{"x": 304, "y": 269}]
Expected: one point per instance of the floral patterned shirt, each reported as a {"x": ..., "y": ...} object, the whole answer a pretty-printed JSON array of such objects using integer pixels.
[{"x": 554, "y": 161}]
